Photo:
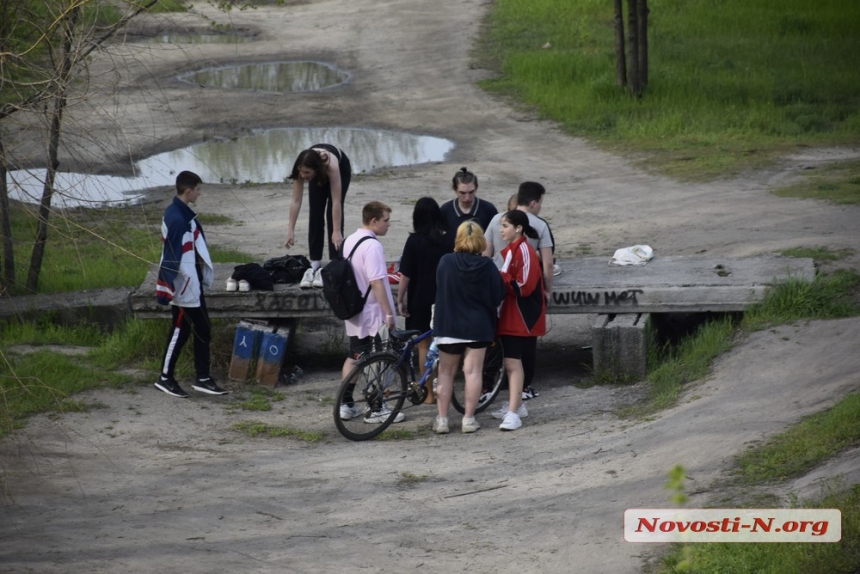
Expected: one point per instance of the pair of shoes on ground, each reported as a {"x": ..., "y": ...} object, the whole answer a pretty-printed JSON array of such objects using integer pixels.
[
  {"x": 440, "y": 425},
  {"x": 530, "y": 393},
  {"x": 241, "y": 285},
  {"x": 350, "y": 412},
  {"x": 311, "y": 279},
  {"x": 207, "y": 385}
]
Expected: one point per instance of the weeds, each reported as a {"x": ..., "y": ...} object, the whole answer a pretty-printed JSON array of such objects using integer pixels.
[
  {"x": 819, "y": 254},
  {"x": 837, "y": 183},
  {"x": 409, "y": 479},
  {"x": 825, "y": 297},
  {"x": 261, "y": 399},
  {"x": 256, "y": 429},
  {"x": 804, "y": 446}
]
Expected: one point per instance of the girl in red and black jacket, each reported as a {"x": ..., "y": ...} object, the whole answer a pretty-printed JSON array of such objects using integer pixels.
[{"x": 523, "y": 316}]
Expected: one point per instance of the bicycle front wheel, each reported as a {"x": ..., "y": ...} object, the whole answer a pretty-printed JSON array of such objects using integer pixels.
[
  {"x": 370, "y": 397},
  {"x": 494, "y": 377}
]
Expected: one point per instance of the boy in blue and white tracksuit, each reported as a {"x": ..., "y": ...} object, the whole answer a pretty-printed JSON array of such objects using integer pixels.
[{"x": 184, "y": 272}]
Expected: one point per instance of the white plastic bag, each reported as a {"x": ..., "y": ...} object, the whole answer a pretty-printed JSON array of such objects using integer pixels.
[{"x": 635, "y": 255}]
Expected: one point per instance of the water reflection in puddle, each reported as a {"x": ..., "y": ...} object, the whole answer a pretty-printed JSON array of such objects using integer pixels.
[
  {"x": 275, "y": 77},
  {"x": 265, "y": 156}
]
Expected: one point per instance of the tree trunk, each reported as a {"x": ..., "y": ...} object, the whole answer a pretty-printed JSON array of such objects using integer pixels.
[
  {"x": 633, "y": 42},
  {"x": 7, "y": 279},
  {"x": 59, "y": 98},
  {"x": 643, "y": 42},
  {"x": 620, "y": 62}
]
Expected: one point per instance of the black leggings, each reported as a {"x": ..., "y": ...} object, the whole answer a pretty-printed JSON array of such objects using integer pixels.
[
  {"x": 319, "y": 201},
  {"x": 524, "y": 349}
]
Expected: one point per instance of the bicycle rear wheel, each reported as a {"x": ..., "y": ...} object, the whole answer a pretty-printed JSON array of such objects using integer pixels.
[
  {"x": 494, "y": 377},
  {"x": 370, "y": 397}
]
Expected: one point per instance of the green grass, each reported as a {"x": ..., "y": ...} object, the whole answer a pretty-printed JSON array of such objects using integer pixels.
[
  {"x": 783, "y": 457},
  {"x": 819, "y": 254},
  {"x": 730, "y": 87},
  {"x": 838, "y": 183},
  {"x": 257, "y": 429},
  {"x": 804, "y": 446},
  {"x": 163, "y": 6},
  {"x": 672, "y": 367},
  {"x": 827, "y": 297},
  {"x": 260, "y": 399},
  {"x": 96, "y": 248},
  {"x": 795, "y": 558},
  {"x": 683, "y": 364},
  {"x": 42, "y": 381}
]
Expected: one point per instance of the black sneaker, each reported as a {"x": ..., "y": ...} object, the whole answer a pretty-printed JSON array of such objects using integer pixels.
[
  {"x": 209, "y": 386},
  {"x": 170, "y": 387},
  {"x": 530, "y": 393}
]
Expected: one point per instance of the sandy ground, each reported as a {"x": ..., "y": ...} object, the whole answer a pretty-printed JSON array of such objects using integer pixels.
[{"x": 149, "y": 483}]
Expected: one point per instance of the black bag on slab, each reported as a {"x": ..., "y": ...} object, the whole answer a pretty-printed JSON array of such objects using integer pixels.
[{"x": 257, "y": 277}]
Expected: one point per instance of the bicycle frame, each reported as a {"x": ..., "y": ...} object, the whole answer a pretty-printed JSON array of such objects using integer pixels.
[{"x": 406, "y": 355}]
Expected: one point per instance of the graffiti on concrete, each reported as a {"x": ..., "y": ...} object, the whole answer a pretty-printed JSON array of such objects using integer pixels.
[{"x": 623, "y": 298}]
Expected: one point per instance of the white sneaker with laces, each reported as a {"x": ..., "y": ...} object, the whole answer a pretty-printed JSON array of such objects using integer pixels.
[
  {"x": 317, "y": 282},
  {"x": 232, "y": 285},
  {"x": 440, "y": 425},
  {"x": 511, "y": 422},
  {"x": 244, "y": 286},
  {"x": 470, "y": 425},
  {"x": 349, "y": 412},
  {"x": 522, "y": 412},
  {"x": 307, "y": 280},
  {"x": 381, "y": 416}
]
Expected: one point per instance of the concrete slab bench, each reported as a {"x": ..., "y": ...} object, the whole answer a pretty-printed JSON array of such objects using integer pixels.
[{"x": 622, "y": 297}]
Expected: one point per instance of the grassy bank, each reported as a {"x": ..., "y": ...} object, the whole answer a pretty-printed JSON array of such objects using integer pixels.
[
  {"x": 96, "y": 248},
  {"x": 731, "y": 86}
]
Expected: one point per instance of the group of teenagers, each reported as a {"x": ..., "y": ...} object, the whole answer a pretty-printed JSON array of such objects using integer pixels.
[{"x": 469, "y": 272}]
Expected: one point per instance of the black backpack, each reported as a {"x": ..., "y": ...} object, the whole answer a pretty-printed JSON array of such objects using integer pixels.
[
  {"x": 340, "y": 288},
  {"x": 287, "y": 268}
]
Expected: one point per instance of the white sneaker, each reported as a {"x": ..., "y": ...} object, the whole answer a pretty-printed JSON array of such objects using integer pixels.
[
  {"x": 232, "y": 285},
  {"x": 349, "y": 412},
  {"x": 470, "y": 425},
  {"x": 307, "y": 280},
  {"x": 317, "y": 282},
  {"x": 244, "y": 286},
  {"x": 440, "y": 425},
  {"x": 511, "y": 422},
  {"x": 522, "y": 412},
  {"x": 381, "y": 416},
  {"x": 556, "y": 270}
]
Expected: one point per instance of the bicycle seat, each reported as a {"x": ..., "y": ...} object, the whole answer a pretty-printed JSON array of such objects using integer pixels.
[{"x": 403, "y": 334}]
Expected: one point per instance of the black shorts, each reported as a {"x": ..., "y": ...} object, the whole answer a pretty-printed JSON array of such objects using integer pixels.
[
  {"x": 460, "y": 348},
  {"x": 513, "y": 346},
  {"x": 361, "y": 346}
]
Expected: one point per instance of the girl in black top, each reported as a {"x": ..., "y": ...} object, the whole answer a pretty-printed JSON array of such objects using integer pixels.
[
  {"x": 416, "y": 294},
  {"x": 327, "y": 170}
]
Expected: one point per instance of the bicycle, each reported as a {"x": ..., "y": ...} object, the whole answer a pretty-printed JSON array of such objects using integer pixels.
[{"x": 384, "y": 378}]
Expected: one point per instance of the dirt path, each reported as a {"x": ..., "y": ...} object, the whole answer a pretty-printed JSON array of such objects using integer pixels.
[{"x": 149, "y": 483}]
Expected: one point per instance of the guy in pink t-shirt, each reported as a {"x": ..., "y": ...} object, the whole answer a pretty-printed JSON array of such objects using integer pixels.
[{"x": 368, "y": 264}]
